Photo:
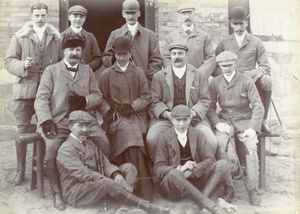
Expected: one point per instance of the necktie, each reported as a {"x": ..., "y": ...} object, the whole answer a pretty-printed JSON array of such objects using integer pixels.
[
  {"x": 188, "y": 32},
  {"x": 72, "y": 69},
  {"x": 129, "y": 35}
]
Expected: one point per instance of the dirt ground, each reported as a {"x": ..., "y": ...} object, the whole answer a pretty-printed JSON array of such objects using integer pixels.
[{"x": 280, "y": 195}]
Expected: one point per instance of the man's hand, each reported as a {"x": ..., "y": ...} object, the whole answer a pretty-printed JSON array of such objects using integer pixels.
[
  {"x": 107, "y": 120},
  {"x": 121, "y": 181},
  {"x": 28, "y": 62},
  {"x": 249, "y": 133},
  {"x": 189, "y": 165},
  {"x": 187, "y": 173},
  {"x": 125, "y": 110},
  {"x": 76, "y": 102},
  {"x": 50, "y": 129},
  {"x": 167, "y": 115},
  {"x": 223, "y": 127}
]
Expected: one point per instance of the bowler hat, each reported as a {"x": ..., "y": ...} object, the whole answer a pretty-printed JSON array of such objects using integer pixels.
[
  {"x": 122, "y": 44},
  {"x": 185, "y": 8},
  {"x": 78, "y": 9},
  {"x": 181, "y": 112},
  {"x": 226, "y": 58},
  {"x": 131, "y": 6},
  {"x": 81, "y": 117},
  {"x": 178, "y": 45},
  {"x": 73, "y": 41},
  {"x": 238, "y": 14}
]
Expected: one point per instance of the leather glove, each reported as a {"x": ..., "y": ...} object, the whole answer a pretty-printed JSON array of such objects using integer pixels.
[
  {"x": 223, "y": 127},
  {"x": 76, "y": 102},
  {"x": 107, "y": 120},
  {"x": 125, "y": 110},
  {"x": 50, "y": 129}
]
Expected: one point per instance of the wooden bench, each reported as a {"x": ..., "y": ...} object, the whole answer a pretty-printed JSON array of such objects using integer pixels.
[{"x": 37, "y": 175}]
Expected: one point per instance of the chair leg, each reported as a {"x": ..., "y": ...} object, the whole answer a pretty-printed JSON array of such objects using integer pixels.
[
  {"x": 33, "y": 168},
  {"x": 40, "y": 166}
]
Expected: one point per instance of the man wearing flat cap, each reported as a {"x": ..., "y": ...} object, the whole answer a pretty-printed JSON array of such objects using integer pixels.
[
  {"x": 241, "y": 114},
  {"x": 87, "y": 176},
  {"x": 201, "y": 53},
  {"x": 66, "y": 86},
  {"x": 91, "y": 54},
  {"x": 36, "y": 45},
  {"x": 186, "y": 166},
  {"x": 146, "y": 53},
  {"x": 125, "y": 112},
  {"x": 179, "y": 83},
  {"x": 253, "y": 60}
]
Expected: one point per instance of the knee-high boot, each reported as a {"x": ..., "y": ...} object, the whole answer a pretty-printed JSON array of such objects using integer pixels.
[
  {"x": 53, "y": 178},
  {"x": 266, "y": 99},
  {"x": 130, "y": 199},
  {"x": 21, "y": 149}
]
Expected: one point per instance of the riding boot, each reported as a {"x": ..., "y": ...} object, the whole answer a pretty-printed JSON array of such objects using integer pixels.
[
  {"x": 21, "y": 149},
  {"x": 53, "y": 177},
  {"x": 266, "y": 99},
  {"x": 212, "y": 185},
  {"x": 138, "y": 202}
]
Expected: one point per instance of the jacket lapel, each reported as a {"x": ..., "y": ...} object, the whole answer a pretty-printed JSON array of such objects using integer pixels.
[
  {"x": 245, "y": 41},
  {"x": 192, "y": 140},
  {"x": 234, "y": 42},
  {"x": 65, "y": 71},
  {"x": 80, "y": 73},
  {"x": 169, "y": 81},
  {"x": 174, "y": 144},
  {"x": 189, "y": 80}
]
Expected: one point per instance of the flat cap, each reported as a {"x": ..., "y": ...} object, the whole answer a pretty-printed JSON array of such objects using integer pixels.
[
  {"x": 78, "y": 9},
  {"x": 131, "y": 6},
  {"x": 238, "y": 14},
  {"x": 226, "y": 58},
  {"x": 178, "y": 45},
  {"x": 181, "y": 112},
  {"x": 81, "y": 117},
  {"x": 185, "y": 7}
]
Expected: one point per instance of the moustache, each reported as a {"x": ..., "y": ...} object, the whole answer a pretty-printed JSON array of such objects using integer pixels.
[
  {"x": 74, "y": 57},
  {"x": 187, "y": 20},
  {"x": 178, "y": 60}
]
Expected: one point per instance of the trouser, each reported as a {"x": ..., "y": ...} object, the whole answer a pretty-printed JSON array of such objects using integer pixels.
[
  {"x": 161, "y": 126},
  {"x": 175, "y": 186},
  {"x": 251, "y": 154},
  {"x": 264, "y": 87},
  {"x": 90, "y": 193}
]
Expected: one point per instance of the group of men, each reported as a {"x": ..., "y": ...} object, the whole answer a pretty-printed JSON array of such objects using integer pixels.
[{"x": 159, "y": 113}]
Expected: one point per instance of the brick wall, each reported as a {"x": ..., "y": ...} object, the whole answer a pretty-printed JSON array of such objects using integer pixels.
[
  {"x": 13, "y": 15},
  {"x": 210, "y": 16}
]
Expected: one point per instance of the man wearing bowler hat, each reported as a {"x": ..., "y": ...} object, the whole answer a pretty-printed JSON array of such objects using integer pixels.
[
  {"x": 185, "y": 164},
  {"x": 241, "y": 114},
  {"x": 125, "y": 112},
  {"x": 179, "y": 83},
  {"x": 66, "y": 86},
  {"x": 91, "y": 54},
  {"x": 253, "y": 60},
  {"x": 146, "y": 53},
  {"x": 201, "y": 52}
]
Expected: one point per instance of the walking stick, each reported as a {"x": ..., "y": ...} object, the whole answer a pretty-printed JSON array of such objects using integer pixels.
[{"x": 273, "y": 104}]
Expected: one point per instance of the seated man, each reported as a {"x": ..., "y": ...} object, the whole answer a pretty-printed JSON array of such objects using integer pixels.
[
  {"x": 87, "y": 176},
  {"x": 126, "y": 98},
  {"x": 241, "y": 113},
  {"x": 185, "y": 161}
]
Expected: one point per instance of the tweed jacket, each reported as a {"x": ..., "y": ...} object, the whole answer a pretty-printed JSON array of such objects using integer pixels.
[
  {"x": 200, "y": 50},
  {"x": 78, "y": 164},
  {"x": 146, "y": 53},
  {"x": 196, "y": 91},
  {"x": 167, "y": 156},
  {"x": 51, "y": 99},
  {"x": 239, "y": 100},
  {"x": 252, "y": 55},
  {"x": 91, "y": 54},
  {"x": 24, "y": 44}
]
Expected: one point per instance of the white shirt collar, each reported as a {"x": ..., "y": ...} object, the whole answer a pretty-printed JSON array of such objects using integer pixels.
[
  {"x": 80, "y": 141},
  {"x": 229, "y": 78},
  {"x": 240, "y": 39},
  {"x": 133, "y": 28},
  {"x": 123, "y": 68},
  {"x": 182, "y": 137},
  {"x": 39, "y": 31},
  {"x": 179, "y": 72},
  {"x": 185, "y": 28},
  {"x": 69, "y": 65},
  {"x": 75, "y": 29}
]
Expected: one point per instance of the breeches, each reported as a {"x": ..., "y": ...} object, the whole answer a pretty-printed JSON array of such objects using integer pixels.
[{"x": 23, "y": 110}]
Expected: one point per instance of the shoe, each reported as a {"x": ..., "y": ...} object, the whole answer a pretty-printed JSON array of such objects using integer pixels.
[
  {"x": 254, "y": 198},
  {"x": 58, "y": 201},
  {"x": 217, "y": 210},
  {"x": 229, "y": 193},
  {"x": 265, "y": 127},
  {"x": 236, "y": 175}
]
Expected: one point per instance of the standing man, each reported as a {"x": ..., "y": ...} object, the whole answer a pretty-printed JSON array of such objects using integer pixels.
[
  {"x": 241, "y": 114},
  {"x": 87, "y": 176},
  {"x": 32, "y": 48},
  {"x": 91, "y": 54},
  {"x": 186, "y": 165},
  {"x": 252, "y": 57},
  {"x": 179, "y": 83},
  {"x": 66, "y": 86},
  {"x": 201, "y": 53},
  {"x": 146, "y": 53},
  {"x": 127, "y": 97}
]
